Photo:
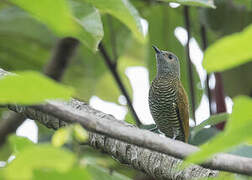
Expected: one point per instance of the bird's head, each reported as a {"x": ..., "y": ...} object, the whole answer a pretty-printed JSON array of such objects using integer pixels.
[{"x": 167, "y": 63}]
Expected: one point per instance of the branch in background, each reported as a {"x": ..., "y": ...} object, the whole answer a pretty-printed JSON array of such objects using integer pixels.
[
  {"x": 219, "y": 98},
  {"x": 204, "y": 46},
  {"x": 10, "y": 121},
  {"x": 61, "y": 56},
  {"x": 118, "y": 80},
  {"x": 55, "y": 114},
  {"x": 55, "y": 69},
  {"x": 218, "y": 93},
  {"x": 189, "y": 62}
]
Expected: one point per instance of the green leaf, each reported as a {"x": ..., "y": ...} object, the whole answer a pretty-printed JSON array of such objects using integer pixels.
[
  {"x": 229, "y": 51},
  {"x": 129, "y": 119},
  {"x": 31, "y": 88},
  {"x": 242, "y": 150},
  {"x": 124, "y": 11},
  {"x": 75, "y": 173},
  {"x": 233, "y": 86},
  {"x": 61, "y": 136},
  {"x": 203, "y": 3},
  {"x": 97, "y": 172},
  {"x": 203, "y": 136},
  {"x": 89, "y": 21},
  {"x": 212, "y": 120},
  {"x": 39, "y": 157},
  {"x": 80, "y": 133},
  {"x": 236, "y": 131},
  {"x": 55, "y": 14},
  {"x": 18, "y": 143},
  {"x": 58, "y": 17},
  {"x": 30, "y": 38}
]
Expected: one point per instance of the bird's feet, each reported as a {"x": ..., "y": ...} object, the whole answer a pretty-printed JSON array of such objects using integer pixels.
[{"x": 175, "y": 133}]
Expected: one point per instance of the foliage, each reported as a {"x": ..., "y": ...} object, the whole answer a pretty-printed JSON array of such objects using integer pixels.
[
  {"x": 35, "y": 161},
  {"x": 212, "y": 120},
  {"x": 67, "y": 134},
  {"x": 63, "y": 22},
  {"x": 29, "y": 30},
  {"x": 235, "y": 133},
  {"x": 31, "y": 88},
  {"x": 229, "y": 52}
]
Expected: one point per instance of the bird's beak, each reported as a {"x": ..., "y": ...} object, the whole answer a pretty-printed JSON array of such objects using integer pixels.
[{"x": 156, "y": 49}]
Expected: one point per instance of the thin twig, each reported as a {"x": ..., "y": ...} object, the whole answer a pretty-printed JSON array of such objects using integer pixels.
[
  {"x": 189, "y": 63},
  {"x": 118, "y": 80},
  {"x": 219, "y": 98},
  {"x": 204, "y": 46}
]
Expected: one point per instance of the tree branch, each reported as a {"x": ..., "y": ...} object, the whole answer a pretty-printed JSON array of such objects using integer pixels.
[
  {"x": 55, "y": 114},
  {"x": 9, "y": 123},
  {"x": 55, "y": 69},
  {"x": 61, "y": 56},
  {"x": 112, "y": 69},
  {"x": 155, "y": 164}
]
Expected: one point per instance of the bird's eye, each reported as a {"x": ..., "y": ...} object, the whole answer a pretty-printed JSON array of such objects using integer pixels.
[{"x": 170, "y": 56}]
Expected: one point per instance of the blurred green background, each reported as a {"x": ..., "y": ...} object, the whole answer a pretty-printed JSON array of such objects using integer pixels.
[{"x": 30, "y": 31}]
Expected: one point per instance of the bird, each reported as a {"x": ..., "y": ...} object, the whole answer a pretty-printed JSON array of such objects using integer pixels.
[{"x": 168, "y": 101}]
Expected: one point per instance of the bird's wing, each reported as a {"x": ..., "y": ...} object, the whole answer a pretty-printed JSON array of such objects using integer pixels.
[{"x": 183, "y": 109}]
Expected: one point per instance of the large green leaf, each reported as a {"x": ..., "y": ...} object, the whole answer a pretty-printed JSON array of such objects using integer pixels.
[
  {"x": 233, "y": 86},
  {"x": 37, "y": 157},
  {"x": 32, "y": 41},
  {"x": 57, "y": 16},
  {"x": 203, "y": 3},
  {"x": 236, "y": 131},
  {"x": 31, "y": 88},
  {"x": 228, "y": 52},
  {"x": 124, "y": 11},
  {"x": 18, "y": 143},
  {"x": 89, "y": 20}
]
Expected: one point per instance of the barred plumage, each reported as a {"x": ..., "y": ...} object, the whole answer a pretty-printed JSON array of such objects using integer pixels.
[
  {"x": 167, "y": 98},
  {"x": 162, "y": 98}
]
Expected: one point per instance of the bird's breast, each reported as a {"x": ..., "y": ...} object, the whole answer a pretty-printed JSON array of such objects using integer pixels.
[{"x": 163, "y": 96}]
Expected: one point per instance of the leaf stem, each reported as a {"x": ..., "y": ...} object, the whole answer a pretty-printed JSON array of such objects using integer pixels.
[{"x": 118, "y": 80}]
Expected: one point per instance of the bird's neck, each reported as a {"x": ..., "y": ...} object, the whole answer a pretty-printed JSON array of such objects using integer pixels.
[{"x": 167, "y": 75}]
